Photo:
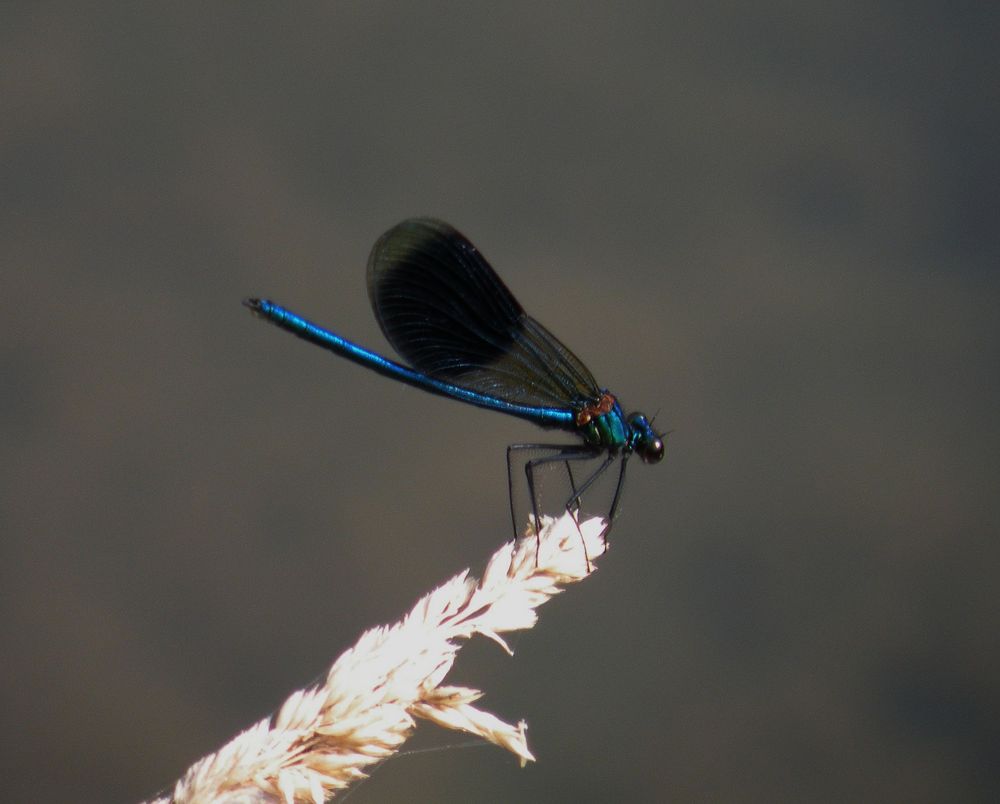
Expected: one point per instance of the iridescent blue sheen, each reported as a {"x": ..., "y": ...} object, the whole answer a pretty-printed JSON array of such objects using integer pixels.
[{"x": 445, "y": 310}]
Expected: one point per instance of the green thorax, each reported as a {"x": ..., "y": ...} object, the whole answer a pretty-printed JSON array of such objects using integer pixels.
[{"x": 602, "y": 424}]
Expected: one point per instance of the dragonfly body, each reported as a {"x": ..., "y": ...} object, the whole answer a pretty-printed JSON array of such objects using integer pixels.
[
  {"x": 307, "y": 330},
  {"x": 466, "y": 337}
]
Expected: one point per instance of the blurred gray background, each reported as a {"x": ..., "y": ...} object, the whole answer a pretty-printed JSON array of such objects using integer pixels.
[{"x": 775, "y": 225}]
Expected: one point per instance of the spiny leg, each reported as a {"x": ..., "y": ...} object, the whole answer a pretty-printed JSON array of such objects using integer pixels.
[
  {"x": 616, "y": 500},
  {"x": 565, "y": 456},
  {"x": 572, "y": 485},
  {"x": 561, "y": 452},
  {"x": 577, "y": 499}
]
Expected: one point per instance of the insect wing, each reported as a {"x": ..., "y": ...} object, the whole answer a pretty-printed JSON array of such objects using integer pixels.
[{"x": 445, "y": 310}]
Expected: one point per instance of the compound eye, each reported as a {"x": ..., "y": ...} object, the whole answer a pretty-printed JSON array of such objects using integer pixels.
[{"x": 653, "y": 453}]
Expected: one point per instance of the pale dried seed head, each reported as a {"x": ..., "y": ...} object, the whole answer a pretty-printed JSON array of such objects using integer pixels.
[{"x": 322, "y": 739}]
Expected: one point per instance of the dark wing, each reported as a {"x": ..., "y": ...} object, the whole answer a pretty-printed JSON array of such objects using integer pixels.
[{"x": 444, "y": 309}]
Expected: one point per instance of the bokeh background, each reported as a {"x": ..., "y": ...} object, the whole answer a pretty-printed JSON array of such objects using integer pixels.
[{"x": 775, "y": 224}]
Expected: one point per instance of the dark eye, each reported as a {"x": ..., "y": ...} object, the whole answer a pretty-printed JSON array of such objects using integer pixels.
[{"x": 653, "y": 453}]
